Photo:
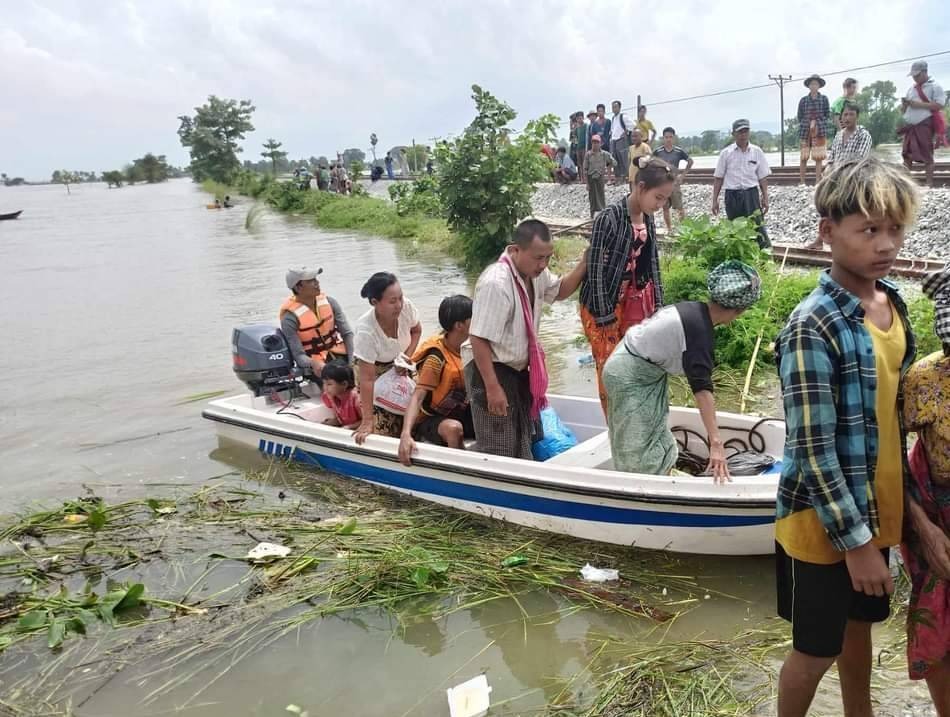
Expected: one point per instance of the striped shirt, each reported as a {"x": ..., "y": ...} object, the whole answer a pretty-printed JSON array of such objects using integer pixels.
[
  {"x": 611, "y": 243},
  {"x": 857, "y": 146},
  {"x": 825, "y": 358},
  {"x": 497, "y": 315},
  {"x": 741, "y": 169}
]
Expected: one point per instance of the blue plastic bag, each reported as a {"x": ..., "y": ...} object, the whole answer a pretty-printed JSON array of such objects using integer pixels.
[{"x": 557, "y": 437}]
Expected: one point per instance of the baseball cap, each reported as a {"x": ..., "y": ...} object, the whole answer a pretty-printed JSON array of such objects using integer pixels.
[
  {"x": 919, "y": 66},
  {"x": 740, "y": 124},
  {"x": 295, "y": 276}
]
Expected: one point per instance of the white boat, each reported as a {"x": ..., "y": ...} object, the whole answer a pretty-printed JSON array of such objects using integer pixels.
[{"x": 575, "y": 493}]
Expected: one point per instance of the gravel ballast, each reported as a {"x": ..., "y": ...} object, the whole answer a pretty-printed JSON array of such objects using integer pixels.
[{"x": 791, "y": 219}]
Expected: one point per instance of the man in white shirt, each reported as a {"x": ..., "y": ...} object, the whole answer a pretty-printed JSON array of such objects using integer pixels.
[
  {"x": 498, "y": 380},
  {"x": 923, "y": 120},
  {"x": 620, "y": 129},
  {"x": 743, "y": 171}
]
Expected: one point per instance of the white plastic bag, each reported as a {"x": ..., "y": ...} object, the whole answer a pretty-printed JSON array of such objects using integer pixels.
[
  {"x": 599, "y": 575},
  {"x": 392, "y": 392}
]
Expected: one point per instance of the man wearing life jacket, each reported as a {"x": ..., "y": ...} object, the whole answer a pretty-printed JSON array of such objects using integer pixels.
[{"x": 313, "y": 323}]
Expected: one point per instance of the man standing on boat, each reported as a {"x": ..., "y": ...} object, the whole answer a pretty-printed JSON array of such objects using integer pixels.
[
  {"x": 507, "y": 378},
  {"x": 313, "y": 323}
]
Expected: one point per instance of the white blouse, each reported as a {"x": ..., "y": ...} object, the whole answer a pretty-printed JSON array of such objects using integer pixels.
[{"x": 372, "y": 345}]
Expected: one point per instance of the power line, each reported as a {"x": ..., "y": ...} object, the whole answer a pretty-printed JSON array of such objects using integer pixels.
[
  {"x": 737, "y": 90},
  {"x": 823, "y": 74}
]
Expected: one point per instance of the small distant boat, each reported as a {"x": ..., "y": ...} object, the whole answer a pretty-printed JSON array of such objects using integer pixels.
[
  {"x": 11, "y": 215},
  {"x": 214, "y": 206}
]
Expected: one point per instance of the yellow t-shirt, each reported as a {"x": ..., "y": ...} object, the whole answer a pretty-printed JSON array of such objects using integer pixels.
[
  {"x": 646, "y": 126},
  {"x": 633, "y": 154},
  {"x": 801, "y": 534}
]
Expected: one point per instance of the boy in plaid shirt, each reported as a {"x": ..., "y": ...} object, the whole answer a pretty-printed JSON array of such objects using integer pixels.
[{"x": 840, "y": 358}]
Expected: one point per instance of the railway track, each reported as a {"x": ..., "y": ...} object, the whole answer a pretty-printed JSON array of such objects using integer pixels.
[
  {"x": 907, "y": 267},
  {"x": 788, "y": 176}
]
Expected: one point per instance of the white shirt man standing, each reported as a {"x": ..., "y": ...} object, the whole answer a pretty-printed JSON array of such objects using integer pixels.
[
  {"x": 743, "y": 170},
  {"x": 620, "y": 129}
]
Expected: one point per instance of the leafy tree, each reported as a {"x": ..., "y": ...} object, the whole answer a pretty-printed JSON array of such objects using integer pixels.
[
  {"x": 353, "y": 155},
  {"x": 15, "y": 182},
  {"x": 64, "y": 177},
  {"x": 150, "y": 168},
  {"x": 711, "y": 140},
  {"x": 487, "y": 177},
  {"x": 113, "y": 177},
  {"x": 791, "y": 133},
  {"x": 134, "y": 173},
  {"x": 416, "y": 157},
  {"x": 211, "y": 137},
  {"x": 273, "y": 153},
  {"x": 880, "y": 112}
]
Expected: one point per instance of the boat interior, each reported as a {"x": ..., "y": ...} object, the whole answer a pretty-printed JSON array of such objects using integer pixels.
[{"x": 586, "y": 420}]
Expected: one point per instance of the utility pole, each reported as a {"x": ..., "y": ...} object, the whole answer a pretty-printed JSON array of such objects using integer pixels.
[{"x": 780, "y": 80}]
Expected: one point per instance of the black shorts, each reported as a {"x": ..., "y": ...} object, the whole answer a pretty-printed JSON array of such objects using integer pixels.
[
  {"x": 428, "y": 428},
  {"x": 819, "y": 600}
]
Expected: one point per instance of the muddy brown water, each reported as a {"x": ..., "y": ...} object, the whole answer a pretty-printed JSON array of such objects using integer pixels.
[{"x": 117, "y": 307}]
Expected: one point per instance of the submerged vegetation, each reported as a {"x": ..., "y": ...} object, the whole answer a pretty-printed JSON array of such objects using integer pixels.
[{"x": 167, "y": 587}]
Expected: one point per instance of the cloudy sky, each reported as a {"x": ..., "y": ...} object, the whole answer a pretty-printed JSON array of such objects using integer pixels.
[{"x": 90, "y": 85}]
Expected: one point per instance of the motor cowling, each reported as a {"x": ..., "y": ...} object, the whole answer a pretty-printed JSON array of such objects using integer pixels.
[{"x": 261, "y": 358}]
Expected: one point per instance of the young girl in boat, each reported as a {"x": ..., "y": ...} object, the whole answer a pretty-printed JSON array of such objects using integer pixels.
[
  {"x": 439, "y": 411},
  {"x": 679, "y": 340},
  {"x": 340, "y": 395},
  {"x": 623, "y": 287}
]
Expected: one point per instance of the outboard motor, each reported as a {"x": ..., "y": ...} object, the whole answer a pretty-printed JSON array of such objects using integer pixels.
[{"x": 262, "y": 359}]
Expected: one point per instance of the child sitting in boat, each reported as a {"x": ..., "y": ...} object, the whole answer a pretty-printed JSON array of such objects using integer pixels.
[
  {"x": 439, "y": 411},
  {"x": 340, "y": 395},
  {"x": 679, "y": 339}
]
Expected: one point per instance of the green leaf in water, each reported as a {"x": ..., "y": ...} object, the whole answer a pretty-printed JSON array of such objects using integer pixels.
[
  {"x": 132, "y": 597},
  {"x": 420, "y": 576},
  {"x": 347, "y": 528},
  {"x": 195, "y": 397},
  {"x": 75, "y": 624},
  {"x": 56, "y": 634},
  {"x": 32, "y": 621},
  {"x": 97, "y": 519},
  {"x": 513, "y": 561}
]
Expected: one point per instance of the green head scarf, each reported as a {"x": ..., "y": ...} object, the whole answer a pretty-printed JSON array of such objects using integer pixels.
[{"x": 734, "y": 285}]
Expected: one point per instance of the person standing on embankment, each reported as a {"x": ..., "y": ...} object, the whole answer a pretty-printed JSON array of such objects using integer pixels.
[{"x": 743, "y": 170}]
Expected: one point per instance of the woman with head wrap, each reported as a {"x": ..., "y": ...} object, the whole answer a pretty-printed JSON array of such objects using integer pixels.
[
  {"x": 679, "y": 340},
  {"x": 926, "y": 545}
]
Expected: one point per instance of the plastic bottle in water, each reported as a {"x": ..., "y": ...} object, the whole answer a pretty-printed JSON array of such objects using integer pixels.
[{"x": 585, "y": 360}]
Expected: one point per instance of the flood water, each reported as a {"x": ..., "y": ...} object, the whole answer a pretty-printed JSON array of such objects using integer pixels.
[{"x": 117, "y": 306}]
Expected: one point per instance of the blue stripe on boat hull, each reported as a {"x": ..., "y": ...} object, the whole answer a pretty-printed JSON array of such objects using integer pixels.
[{"x": 515, "y": 501}]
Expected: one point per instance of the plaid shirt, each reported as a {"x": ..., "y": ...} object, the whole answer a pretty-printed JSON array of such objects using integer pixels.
[
  {"x": 810, "y": 109},
  {"x": 857, "y": 146},
  {"x": 826, "y": 362},
  {"x": 611, "y": 241}
]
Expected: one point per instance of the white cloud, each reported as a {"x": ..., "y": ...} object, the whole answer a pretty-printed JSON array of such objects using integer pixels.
[{"x": 94, "y": 85}]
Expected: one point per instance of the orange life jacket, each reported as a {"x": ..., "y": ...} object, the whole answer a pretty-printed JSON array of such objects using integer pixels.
[
  {"x": 316, "y": 331},
  {"x": 448, "y": 397}
]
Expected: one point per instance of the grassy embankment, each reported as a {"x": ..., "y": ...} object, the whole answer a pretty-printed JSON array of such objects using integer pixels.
[{"x": 375, "y": 216}]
